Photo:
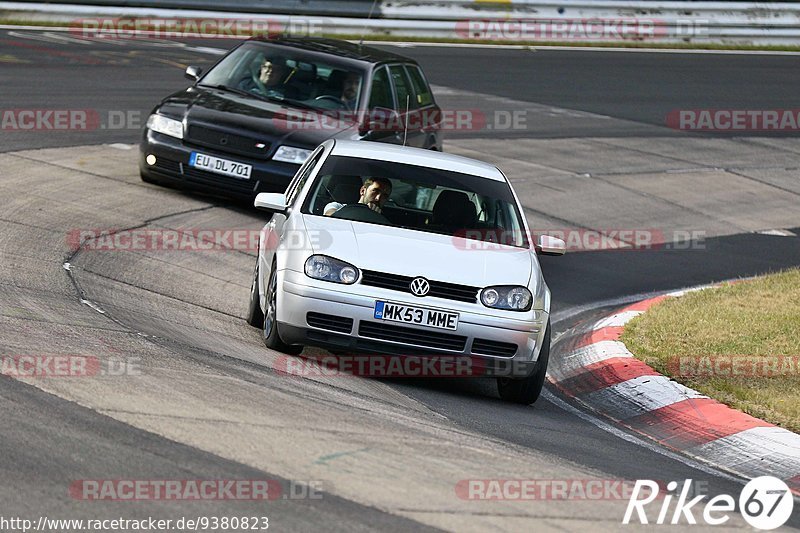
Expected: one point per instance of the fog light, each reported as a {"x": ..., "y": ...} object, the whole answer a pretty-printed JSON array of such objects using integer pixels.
[{"x": 151, "y": 160}]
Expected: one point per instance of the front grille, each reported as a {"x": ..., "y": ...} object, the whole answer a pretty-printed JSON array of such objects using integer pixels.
[
  {"x": 386, "y": 281},
  {"x": 440, "y": 289},
  {"x": 216, "y": 180},
  {"x": 166, "y": 165},
  {"x": 330, "y": 322},
  {"x": 429, "y": 339},
  {"x": 487, "y": 347},
  {"x": 228, "y": 142}
]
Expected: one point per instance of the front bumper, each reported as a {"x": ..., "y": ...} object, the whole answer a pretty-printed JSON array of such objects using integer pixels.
[
  {"x": 172, "y": 166},
  {"x": 480, "y": 334}
]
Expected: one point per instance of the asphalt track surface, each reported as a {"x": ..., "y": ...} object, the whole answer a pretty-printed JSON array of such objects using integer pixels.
[{"x": 48, "y": 442}]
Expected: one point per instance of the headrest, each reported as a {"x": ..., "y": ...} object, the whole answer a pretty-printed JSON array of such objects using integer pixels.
[
  {"x": 336, "y": 80},
  {"x": 346, "y": 185},
  {"x": 304, "y": 73},
  {"x": 454, "y": 210}
]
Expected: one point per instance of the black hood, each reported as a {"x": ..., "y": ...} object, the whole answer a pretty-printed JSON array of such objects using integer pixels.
[{"x": 275, "y": 122}]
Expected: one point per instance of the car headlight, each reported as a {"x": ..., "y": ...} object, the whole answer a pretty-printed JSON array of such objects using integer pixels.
[
  {"x": 330, "y": 269},
  {"x": 290, "y": 154},
  {"x": 167, "y": 126},
  {"x": 509, "y": 297}
]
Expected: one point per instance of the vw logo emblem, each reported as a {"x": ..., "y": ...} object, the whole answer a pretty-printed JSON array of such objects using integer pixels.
[{"x": 420, "y": 287}]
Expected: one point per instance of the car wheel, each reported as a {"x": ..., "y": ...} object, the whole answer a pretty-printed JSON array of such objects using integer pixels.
[
  {"x": 527, "y": 390},
  {"x": 255, "y": 316},
  {"x": 272, "y": 338}
]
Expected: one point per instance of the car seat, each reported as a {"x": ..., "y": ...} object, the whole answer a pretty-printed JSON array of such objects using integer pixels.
[
  {"x": 342, "y": 189},
  {"x": 303, "y": 79},
  {"x": 335, "y": 83},
  {"x": 453, "y": 211}
]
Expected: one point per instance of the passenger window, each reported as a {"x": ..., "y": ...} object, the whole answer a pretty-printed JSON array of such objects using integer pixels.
[
  {"x": 421, "y": 88},
  {"x": 381, "y": 93},
  {"x": 402, "y": 86}
]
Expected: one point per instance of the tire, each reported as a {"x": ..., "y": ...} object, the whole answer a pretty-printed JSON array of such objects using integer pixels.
[
  {"x": 269, "y": 329},
  {"x": 527, "y": 390},
  {"x": 255, "y": 316}
]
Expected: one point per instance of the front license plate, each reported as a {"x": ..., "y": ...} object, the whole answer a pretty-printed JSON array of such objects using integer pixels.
[
  {"x": 421, "y": 316},
  {"x": 218, "y": 165}
]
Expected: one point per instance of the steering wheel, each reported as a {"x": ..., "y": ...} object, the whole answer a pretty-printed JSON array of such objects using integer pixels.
[
  {"x": 330, "y": 97},
  {"x": 361, "y": 213},
  {"x": 258, "y": 88}
]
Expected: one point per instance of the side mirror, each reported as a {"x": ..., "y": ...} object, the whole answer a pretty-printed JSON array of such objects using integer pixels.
[
  {"x": 193, "y": 73},
  {"x": 547, "y": 245},
  {"x": 381, "y": 119},
  {"x": 271, "y": 201}
]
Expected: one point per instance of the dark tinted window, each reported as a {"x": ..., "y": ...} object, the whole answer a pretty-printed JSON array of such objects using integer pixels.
[
  {"x": 423, "y": 92},
  {"x": 381, "y": 93},
  {"x": 402, "y": 86}
]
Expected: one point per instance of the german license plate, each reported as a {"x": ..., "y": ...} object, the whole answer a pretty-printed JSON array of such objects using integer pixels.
[
  {"x": 218, "y": 165},
  {"x": 420, "y": 316}
]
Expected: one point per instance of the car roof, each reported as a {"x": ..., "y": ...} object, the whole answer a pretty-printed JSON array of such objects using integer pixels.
[
  {"x": 337, "y": 47},
  {"x": 416, "y": 156}
]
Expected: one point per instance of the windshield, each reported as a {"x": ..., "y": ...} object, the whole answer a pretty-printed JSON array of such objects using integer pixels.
[
  {"x": 278, "y": 73},
  {"x": 417, "y": 198}
]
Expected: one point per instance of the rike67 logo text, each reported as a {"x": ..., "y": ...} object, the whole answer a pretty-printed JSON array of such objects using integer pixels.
[{"x": 765, "y": 503}]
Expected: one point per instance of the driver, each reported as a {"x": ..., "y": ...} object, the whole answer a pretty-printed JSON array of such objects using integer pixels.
[
  {"x": 271, "y": 79},
  {"x": 374, "y": 194},
  {"x": 350, "y": 90}
]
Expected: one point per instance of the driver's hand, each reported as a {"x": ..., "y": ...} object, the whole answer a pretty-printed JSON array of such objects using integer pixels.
[{"x": 375, "y": 207}]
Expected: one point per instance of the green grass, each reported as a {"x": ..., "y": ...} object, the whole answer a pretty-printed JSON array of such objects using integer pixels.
[{"x": 758, "y": 318}]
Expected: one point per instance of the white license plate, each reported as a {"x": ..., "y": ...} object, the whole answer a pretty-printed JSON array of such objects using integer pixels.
[
  {"x": 420, "y": 316},
  {"x": 218, "y": 165}
]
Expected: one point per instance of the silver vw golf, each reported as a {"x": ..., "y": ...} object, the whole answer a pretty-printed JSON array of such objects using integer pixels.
[{"x": 401, "y": 252}]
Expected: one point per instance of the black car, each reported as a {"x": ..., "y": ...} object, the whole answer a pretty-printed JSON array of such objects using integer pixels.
[{"x": 248, "y": 124}]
